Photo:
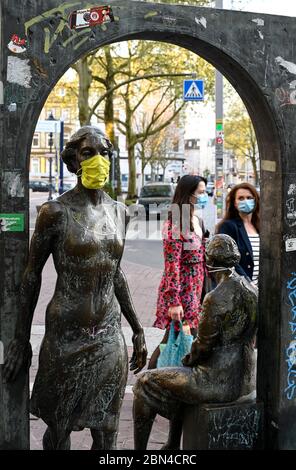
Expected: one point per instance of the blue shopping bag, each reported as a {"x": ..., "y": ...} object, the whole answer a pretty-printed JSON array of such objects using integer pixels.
[{"x": 175, "y": 349}]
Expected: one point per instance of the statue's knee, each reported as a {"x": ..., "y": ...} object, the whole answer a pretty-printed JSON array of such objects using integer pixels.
[{"x": 140, "y": 383}]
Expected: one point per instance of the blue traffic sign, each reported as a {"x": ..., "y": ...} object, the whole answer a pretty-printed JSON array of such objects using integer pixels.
[{"x": 193, "y": 90}]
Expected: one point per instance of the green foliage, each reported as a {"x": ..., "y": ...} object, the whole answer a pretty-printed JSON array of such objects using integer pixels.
[
  {"x": 109, "y": 190},
  {"x": 239, "y": 135},
  {"x": 143, "y": 78}
]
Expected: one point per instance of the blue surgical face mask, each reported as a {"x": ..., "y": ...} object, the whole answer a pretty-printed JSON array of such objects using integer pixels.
[
  {"x": 201, "y": 201},
  {"x": 247, "y": 206}
]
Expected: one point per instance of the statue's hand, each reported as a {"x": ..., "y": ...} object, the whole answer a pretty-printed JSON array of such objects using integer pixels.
[
  {"x": 139, "y": 356},
  {"x": 192, "y": 359},
  {"x": 18, "y": 354},
  {"x": 187, "y": 360}
]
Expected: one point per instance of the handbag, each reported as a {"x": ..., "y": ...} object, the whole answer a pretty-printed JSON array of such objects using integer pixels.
[{"x": 175, "y": 349}]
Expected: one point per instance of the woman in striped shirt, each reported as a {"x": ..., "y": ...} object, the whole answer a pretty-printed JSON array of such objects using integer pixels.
[{"x": 241, "y": 221}]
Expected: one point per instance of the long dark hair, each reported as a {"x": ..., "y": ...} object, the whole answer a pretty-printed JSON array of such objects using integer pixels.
[
  {"x": 232, "y": 212},
  {"x": 185, "y": 188}
]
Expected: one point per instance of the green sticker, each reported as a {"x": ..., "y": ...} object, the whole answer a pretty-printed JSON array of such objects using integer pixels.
[
  {"x": 219, "y": 126},
  {"x": 12, "y": 223}
]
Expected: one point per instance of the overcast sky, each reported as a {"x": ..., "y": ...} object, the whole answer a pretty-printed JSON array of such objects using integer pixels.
[
  {"x": 274, "y": 7},
  {"x": 202, "y": 120}
]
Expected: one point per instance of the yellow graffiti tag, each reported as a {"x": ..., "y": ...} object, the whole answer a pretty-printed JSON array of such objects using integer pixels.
[
  {"x": 47, "y": 14},
  {"x": 49, "y": 38}
]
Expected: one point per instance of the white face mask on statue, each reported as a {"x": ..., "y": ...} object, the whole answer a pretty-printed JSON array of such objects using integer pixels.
[{"x": 216, "y": 269}]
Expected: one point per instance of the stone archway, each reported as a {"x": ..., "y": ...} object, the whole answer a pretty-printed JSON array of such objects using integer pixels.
[{"x": 255, "y": 53}]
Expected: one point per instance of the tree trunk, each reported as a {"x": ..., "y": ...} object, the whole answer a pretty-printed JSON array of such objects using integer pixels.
[
  {"x": 85, "y": 78},
  {"x": 255, "y": 170},
  {"x": 132, "y": 193},
  {"x": 130, "y": 148},
  {"x": 152, "y": 171},
  {"x": 109, "y": 116},
  {"x": 143, "y": 172}
]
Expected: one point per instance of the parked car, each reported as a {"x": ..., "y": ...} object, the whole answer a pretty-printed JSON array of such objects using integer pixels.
[
  {"x": 156, "y": 198},
  {"x": 67, "y": 186},
  {"x": 210, "y": 188},
  {"x": 41, "y": 186}
]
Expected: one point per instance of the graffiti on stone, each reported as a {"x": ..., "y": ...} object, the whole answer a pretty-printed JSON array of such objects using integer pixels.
[
  {"x": 291, "y": 211},
  {"x": 169, "y": 20},
  {"x": 201, "y": 21},
  {"x": 290, "y": 390},
  {"x": 66, "y": 18},
  {"x": 234, "y": 428}
]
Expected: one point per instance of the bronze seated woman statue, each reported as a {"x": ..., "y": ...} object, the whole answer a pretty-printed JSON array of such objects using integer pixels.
[
  {"x": 221, "y": 365},
  {"x": 83, "y": 357}
]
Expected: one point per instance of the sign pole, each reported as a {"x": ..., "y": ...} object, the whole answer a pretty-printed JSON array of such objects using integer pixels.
[{"x": 219, "y": 137}]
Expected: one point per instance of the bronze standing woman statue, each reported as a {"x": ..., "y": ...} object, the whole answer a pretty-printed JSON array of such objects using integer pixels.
[{"x": 83, "y": 357}]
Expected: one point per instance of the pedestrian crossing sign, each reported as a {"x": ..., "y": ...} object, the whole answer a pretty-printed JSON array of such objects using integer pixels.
[{"x": 193, "y": 90}]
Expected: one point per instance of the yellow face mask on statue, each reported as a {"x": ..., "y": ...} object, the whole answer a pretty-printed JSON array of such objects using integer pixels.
[{"x": 94, "y": 172}]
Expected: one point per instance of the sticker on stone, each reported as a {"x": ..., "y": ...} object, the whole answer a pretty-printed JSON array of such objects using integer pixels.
[
  {"x": 19, "y": 71},
  {"x": 91, "y": 17},
  {"x": 290, "y": 244},
  {"x": 12, "y": 223},
  {"x": 17, "y": 45}
]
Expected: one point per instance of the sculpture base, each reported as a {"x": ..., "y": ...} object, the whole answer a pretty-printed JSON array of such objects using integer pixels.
[{"x": 237, "y": 425}]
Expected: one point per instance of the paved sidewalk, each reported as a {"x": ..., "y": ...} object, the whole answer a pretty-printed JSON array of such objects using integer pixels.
[{"x": 143, "y": 283}]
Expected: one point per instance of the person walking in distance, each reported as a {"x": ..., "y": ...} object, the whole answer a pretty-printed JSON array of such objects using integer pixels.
[
  {"x": 180, "y": 289},
  {"x": 242, "y": 222}
]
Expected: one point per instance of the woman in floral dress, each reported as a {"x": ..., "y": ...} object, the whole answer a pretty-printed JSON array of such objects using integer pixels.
[{"x": 180, "y": 289}]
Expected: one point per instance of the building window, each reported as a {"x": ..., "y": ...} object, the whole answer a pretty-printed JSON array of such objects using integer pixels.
[
  {"x": 192, "y": 144},
  {"x": 36, "y": 140},
  {"x": 35, "y": 166}
]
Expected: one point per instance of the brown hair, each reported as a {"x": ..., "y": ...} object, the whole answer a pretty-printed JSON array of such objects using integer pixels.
[
  {"x": 185, "y": 187},
  {"x": 232, "y": 213}
]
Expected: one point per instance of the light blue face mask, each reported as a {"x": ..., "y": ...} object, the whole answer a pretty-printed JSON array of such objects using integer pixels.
[
  {"x": 247, "y": 206},
  {"x": 201, "y": 201}
]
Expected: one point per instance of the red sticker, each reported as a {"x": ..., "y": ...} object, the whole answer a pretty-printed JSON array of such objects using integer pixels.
[
  {"x": 91, "y": 17},
  {"x": 16, "y": 44}
]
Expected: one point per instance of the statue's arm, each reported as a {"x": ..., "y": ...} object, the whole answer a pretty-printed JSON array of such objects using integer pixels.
[
  {"x": 139, "y": 356},
  {"x": 46, "y": 229},
  {"x": 209, "y": 330}
]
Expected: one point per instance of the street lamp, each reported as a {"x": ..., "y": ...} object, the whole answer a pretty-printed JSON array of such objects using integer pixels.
[{"x": 50, "y": 156}]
